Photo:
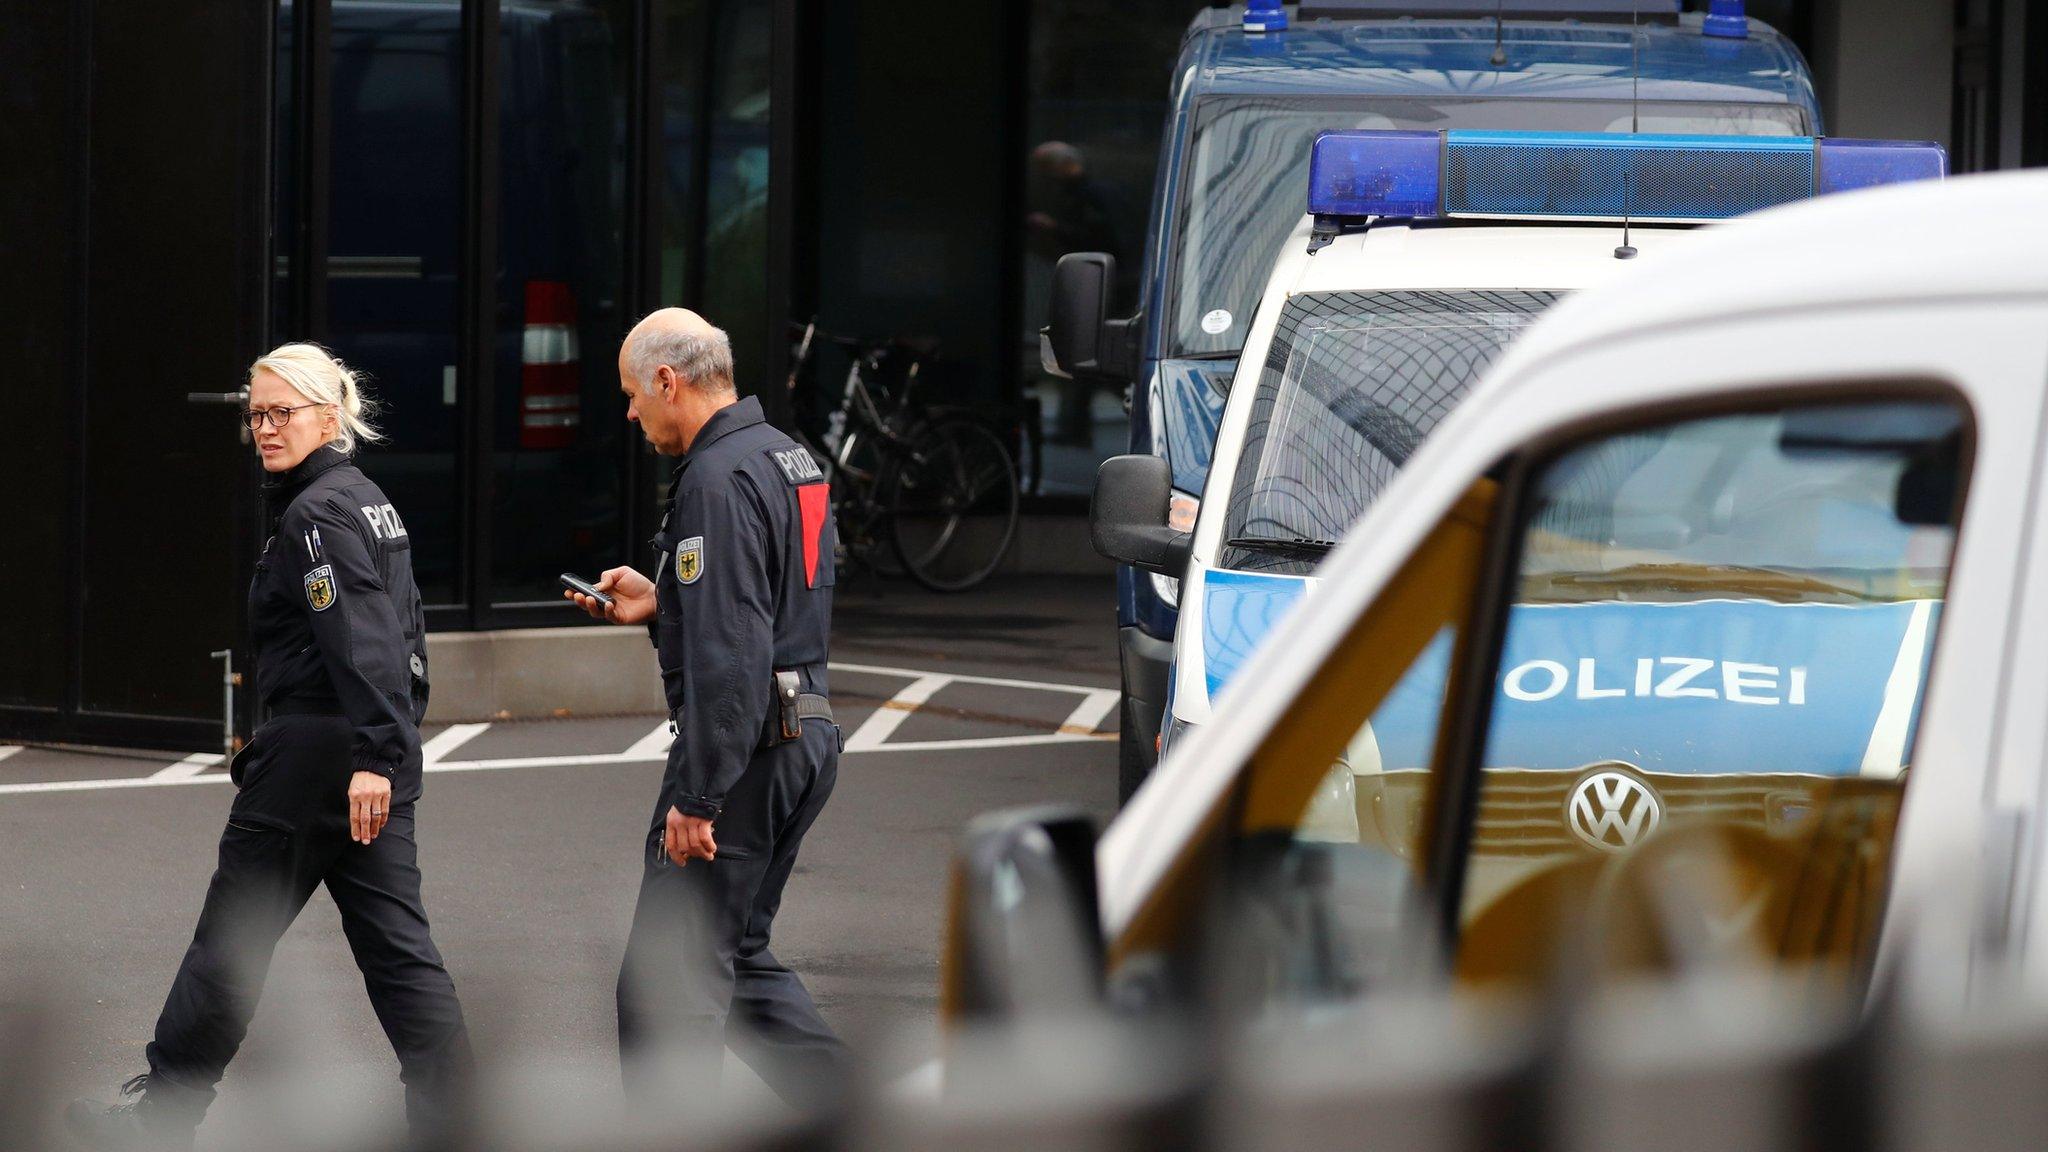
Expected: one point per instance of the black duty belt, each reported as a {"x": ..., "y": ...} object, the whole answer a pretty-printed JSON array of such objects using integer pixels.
[{"x": 793, "y": 706}]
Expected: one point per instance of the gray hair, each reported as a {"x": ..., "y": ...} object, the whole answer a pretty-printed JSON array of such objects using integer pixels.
[
  {"x": 704, "y": 361},
  {"x": 316, "y": 374}
]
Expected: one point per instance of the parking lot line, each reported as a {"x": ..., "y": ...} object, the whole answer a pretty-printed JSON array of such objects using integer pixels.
[
  {"x": 654, "y": 745},
  {"x": 1088, "y": 714},
  {"x": 894, "y": 711},
  {"x": 448, "y": 740},
  {"x": 871, "y": 736},
  {"x": 964, "y": 678},
  {"x": 187, "y": 768}
]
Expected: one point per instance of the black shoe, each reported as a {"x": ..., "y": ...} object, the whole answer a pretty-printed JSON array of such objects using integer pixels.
[{"x": 136, "y": 1124}]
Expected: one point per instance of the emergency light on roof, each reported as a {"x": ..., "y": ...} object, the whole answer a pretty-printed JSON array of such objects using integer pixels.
[
  {"x": 1726, "y": 18},
  {"x": 1264, "y": 16},
  {"x": 1591, "y": 175}
]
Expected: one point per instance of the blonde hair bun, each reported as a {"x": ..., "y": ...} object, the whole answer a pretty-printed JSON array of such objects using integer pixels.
[{"x": 321, "y": 377}]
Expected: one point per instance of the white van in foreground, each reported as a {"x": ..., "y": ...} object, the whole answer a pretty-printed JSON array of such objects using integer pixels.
[{"x": 1830, "y": 415}]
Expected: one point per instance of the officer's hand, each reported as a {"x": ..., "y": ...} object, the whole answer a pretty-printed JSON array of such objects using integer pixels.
[
  {"x": 369, "y": 806},
  {"x": 632, "y": 597},
  {"x": 689, "y": 838}
]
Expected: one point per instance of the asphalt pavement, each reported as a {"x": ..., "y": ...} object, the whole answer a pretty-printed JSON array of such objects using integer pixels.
[{"x": 529, "y": 835}]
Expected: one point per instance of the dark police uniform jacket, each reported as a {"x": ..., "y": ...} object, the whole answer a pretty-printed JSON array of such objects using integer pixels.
[
  {"x": 744, "y": 591},
  {"x": 336, "y": 621}
]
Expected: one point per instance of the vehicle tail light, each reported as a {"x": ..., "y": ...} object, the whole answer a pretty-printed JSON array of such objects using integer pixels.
[{"x": 550, "y": 368}]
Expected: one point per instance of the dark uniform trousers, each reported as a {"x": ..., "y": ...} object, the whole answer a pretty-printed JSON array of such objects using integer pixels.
[
  {"x": 265, "y": 876},
  {"x": 698, "y": 953}
]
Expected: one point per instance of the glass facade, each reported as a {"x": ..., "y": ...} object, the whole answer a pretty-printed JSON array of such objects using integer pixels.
[
  {"x": 1097, "y": 104},
  {"x": 393, "y": 262},
  {"x": 559, "y": 439},
  {"x": 518, "y": 264}
]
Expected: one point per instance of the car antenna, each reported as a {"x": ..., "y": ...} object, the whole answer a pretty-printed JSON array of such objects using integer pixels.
[
  {"x": 1627, "y": 251},
  {"x": 1500, "y": 48}
]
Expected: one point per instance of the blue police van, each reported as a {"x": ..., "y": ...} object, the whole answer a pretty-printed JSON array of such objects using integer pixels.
[{"x": 1253, "y": 87}]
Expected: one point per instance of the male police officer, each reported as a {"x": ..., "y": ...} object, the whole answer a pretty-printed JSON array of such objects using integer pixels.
[{"x": 739, "y": 613}]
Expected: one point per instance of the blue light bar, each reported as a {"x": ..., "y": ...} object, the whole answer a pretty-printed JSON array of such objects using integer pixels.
[
  {"x": 1647, "y": 176},
  {"x": 1846, "y": 165},
  {"x": 1264, "y": 16},
  {"x": 1376, "y": 174},
  {"x": 1725, "y": 18},
  {"x": 1592, "y": 175}
]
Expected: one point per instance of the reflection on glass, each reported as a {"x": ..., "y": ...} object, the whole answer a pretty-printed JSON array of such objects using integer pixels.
[
  {"x": 1354, "y": 381},
  {"x": 284, "y": 189},
  {"x": 1093, "y": 126},
  {"x": 1335, "y": 813},
  {"x": 392, "y": 267},
  {"x": 736, "y": 207},
  {"x": 1709, "y": 686},
  {"x": 1246, "y": 185},
  {"x": 559, "y": 420},
  {"x": 681, "y": 110}
]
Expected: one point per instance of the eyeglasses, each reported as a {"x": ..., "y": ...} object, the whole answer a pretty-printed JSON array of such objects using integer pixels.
[{"x": 278, "y": 417}]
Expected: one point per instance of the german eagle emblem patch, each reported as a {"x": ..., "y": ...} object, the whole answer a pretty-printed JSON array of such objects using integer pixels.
[
  {"x": 320, "y": 587},
  {"x": 690, "y": 560}
]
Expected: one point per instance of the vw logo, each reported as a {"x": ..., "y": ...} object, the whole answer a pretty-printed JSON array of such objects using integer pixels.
[{"x": 1613, "y": 810}]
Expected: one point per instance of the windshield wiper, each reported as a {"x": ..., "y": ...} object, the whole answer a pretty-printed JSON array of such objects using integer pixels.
[
  {"x": 1286, "y": 545},
  {"x": 1208, "y": 355},
  {"x": 1694, "y": 577}
]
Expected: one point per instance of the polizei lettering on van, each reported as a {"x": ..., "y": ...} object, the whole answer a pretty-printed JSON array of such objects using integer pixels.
[
  {"x": 1700, "y": 686},
  {"x": 1666, "y": 677}
]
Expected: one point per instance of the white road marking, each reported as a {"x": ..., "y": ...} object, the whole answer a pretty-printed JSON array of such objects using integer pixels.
[
  {"x": 629, "y": 757},
  {"x": 1078, "y": 727},
  {"x": 158, "y": 781},
  {"x": 654, "y": 745},
  {"x": 893, "y": 712},
  {"x": 187, "y": 768},
  {"x": 448, "y": 740},
  {"x": 964, "y": 678},
  {"x": 987, "y": 742},
  {"x": 1082, "y": 721}
]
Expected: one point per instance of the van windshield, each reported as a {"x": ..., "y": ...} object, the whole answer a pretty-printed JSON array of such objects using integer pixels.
[
  {"x": 1353, "y": 382},
  {"x": 1245, "y": 184}
]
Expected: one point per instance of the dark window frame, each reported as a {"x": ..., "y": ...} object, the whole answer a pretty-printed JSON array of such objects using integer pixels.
[{"x": 477, "y": 326}]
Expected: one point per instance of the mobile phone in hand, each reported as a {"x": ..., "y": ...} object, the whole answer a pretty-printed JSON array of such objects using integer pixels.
[{"x": 574, "y": 584}]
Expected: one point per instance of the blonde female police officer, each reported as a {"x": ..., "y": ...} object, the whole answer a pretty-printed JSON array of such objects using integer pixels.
[
  {"x": 326, "y": 788},
  {"x": 739, "y": 613}
]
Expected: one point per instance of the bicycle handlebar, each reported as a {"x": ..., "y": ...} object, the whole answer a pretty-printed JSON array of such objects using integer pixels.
[{"x": 809, "y": 331}]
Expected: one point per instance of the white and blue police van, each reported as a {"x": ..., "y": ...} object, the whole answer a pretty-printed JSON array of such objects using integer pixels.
[
  {"x": 1422, "y": 255},
  {"x": 1702, "y": 636}
]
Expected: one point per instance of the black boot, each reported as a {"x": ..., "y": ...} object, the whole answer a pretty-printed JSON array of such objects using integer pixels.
[{"x": 139, "y": 1123}]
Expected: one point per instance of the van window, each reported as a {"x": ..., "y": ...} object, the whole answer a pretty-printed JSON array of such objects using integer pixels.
[
  {"x": 1245, "y": 184},
  {"x": 1335, "y": 816},
  {"x": 1352, "y": 383},
  {"x": 1709, "y": 681}
]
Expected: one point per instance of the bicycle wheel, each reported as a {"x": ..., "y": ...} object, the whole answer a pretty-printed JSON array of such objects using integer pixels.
[
  {"x": 857, "y": 483},
  {"x": 953, "y": 505}
]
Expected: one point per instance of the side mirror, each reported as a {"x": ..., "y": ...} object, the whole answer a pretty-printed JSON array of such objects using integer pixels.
[
  {"x": 1079, "y": 339},
  {"x": 1024, "y": 936},
  {"x": 1128, "y": 516}
]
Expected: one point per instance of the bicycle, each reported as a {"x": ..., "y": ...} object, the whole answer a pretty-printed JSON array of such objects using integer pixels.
[{"x": 941, "y": 486}]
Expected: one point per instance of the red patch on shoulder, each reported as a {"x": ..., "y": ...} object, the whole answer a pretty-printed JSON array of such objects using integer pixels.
[{"x": 815, "y": 501}]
